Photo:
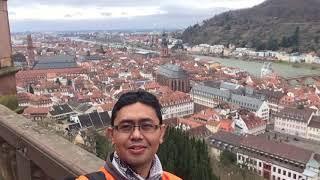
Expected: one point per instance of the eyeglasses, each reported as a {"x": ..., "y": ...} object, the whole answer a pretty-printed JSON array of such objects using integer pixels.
[{"x": 143, "y": 127}]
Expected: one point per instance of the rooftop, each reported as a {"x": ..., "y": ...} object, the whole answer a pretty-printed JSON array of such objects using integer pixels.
[
  {"x": 302, "y": 115},
  {"x": 315, "y": 122},
  {"x": 55, "y": 62},
  {"x": 264, "y": 145},
  {"x": 172, "y": 71}
]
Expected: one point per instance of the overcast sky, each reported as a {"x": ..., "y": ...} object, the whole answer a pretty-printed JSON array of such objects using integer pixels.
[{"x": 31, "y": 12}]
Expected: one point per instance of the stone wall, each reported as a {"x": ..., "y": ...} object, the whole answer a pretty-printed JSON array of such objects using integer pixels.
[
  {"x": 8, "y": 84},
  {"x": 28, "y": 151}
]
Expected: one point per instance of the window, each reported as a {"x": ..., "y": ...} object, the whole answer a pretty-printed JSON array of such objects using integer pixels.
[
  {"x": 260, "y": 164},
  {"x": 274, "y": 169},
  {"x": 284, "y": 172},
  {"x": 279, "y": 171},
  {"x": 294, "y": 176},
  {"x": 273, "y": 177},
  {"x": 289, "y": 174}
]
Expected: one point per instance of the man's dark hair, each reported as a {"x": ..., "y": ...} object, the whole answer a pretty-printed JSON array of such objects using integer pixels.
[{"x": 141, "y": 96}]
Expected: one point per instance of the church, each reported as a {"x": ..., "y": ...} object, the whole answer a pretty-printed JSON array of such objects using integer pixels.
[{"x": 173, "y": 76}]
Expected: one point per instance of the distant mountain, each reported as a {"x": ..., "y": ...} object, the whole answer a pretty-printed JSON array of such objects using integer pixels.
[{"x": 292, "y": 25}]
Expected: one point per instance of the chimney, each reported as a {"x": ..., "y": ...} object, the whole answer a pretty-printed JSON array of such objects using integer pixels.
[{"x": 7, "y": 71}]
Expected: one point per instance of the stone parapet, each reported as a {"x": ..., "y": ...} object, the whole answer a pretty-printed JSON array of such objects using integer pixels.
[{"x": 30, "y": 151}]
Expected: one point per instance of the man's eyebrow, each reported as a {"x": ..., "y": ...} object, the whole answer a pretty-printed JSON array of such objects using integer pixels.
[
  {"x": 140, "y": 120},
  {"x": 126, "y": 121},
  {"x": 145, "y": 120}
]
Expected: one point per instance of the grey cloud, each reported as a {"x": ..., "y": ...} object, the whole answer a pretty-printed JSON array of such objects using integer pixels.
[
  {"x": 108, "y": 3},
  {"x": 107, "y": 14},
  {"x": 162, "y": 21},
  {"x": 68, "y": 16},
  {"x": 84, "y": 3}
]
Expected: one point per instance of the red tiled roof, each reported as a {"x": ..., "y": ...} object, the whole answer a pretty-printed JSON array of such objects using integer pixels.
[
  {"x": 107, "y": 106},
  {"x": 302, "y": 115},
  {"x": 152, "y": 85},
  {"x": 253, "y": 121},
  {"x": 174, "y": 98},
  {"x": 190, "y": 122},
  {"x": 207, "y": 115},
  {"x": 262, "y": 144},
  {"x": 200, "y": 131},
  {"x": 36, "y": 110},
  {"x": 279, "y": 149},
  {"x": 226, "y": 125}
]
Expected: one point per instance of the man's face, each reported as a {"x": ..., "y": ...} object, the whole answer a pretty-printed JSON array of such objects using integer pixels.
[{"x": 136, "y": 148}]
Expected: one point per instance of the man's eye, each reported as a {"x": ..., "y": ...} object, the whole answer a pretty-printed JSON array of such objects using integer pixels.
[
  {"x": 125, "y": 126},
  {"x": 146, "y": 126}
]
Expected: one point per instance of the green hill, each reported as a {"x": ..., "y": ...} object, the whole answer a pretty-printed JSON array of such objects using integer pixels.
[{"x": 291, "y": 25}]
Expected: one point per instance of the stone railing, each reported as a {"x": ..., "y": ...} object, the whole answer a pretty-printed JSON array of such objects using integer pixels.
[{"x": 30, "y": 152}]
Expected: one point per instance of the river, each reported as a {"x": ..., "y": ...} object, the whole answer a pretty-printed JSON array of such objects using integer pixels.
[{"x": 254, "y": 67}]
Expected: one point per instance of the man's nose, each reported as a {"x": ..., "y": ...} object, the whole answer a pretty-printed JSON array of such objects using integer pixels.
[{"x": 136, "y": 133}]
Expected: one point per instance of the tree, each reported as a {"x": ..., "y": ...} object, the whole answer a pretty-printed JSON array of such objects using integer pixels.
[
  {"x": 316, "y": 39},
  {"x": 30, "y": 89},
  {"x": 185, "y": 156},
  {"x": 272, "y": 44},
  {"x": 296, "y": 36},
  {"x": 103, "y": 146},
  {"x": 88, "y": 53},
  {"x": 227, "y": 158},
  {"x": 69, "y": 82},
  {"x": 58, "y": 81},
  {"x": 285, "y": 42}
]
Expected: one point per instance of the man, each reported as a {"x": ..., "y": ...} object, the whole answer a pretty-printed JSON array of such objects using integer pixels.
[{"x": 136, "y": 132}]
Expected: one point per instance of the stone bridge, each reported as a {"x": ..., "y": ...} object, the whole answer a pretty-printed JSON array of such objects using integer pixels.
[
  {"x": 313, "y": 76},
  {"x": 30, "y": 152}
]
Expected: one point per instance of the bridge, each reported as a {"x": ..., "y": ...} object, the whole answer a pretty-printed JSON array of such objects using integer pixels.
[
  {"x": 303, "y": 78},
  {"x": 30, "y": 152}
]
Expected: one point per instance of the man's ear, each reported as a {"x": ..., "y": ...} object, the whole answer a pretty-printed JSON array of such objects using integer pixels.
[
  {"x": 109, "y": 134},
  {"x": 163, "y": 132}
]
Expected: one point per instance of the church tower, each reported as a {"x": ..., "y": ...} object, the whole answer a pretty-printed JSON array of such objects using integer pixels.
[
  {"x": 7, "y": 69},
  {"x": 164, "y": 46},
  {"x": 30, "y": 49}
]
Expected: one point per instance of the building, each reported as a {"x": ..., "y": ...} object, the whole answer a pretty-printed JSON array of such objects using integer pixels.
[
  {"x": 173, "y": 76},
  {"x": 55, "y": 62},
  {"x": 211, "y": 94},
  {"x": 30, "y": 49},
  {"x": 7, "y": 69},
  {"x": 92, "y": 120},
  {"x": 273, "y": 99},
  {"x": 270, "y": 159},
  {"x": 164, "y": 46},
  {"x": 176, "y": 104},
  {"x": 35, "y": 114},
  {"x": 61, "y": 112},
  {"x": 313, "y": 131},
  {"x": 294, "y": 121},
  {"x": 248, "y": 123}
]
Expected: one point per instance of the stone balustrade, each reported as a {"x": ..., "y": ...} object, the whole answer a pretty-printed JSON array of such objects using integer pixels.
[{"x": 30, "y": 152}]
